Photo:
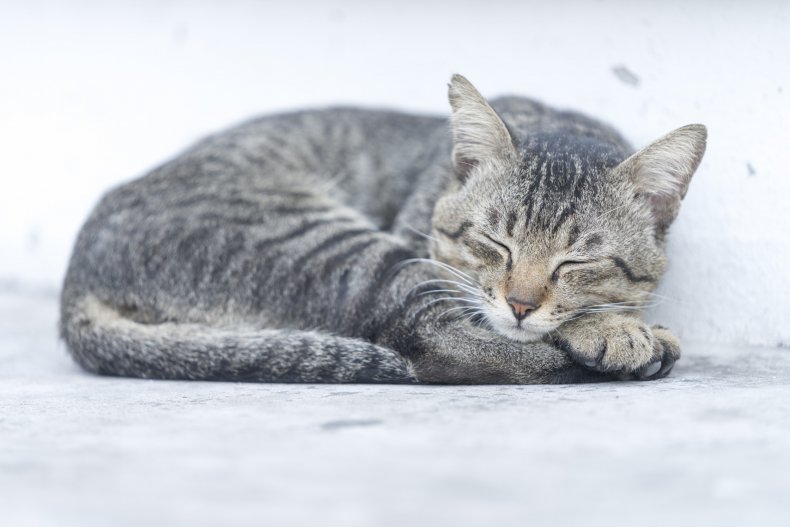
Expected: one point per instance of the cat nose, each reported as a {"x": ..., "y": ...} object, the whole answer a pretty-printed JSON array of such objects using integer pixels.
[{"x": 521, "y": 308}]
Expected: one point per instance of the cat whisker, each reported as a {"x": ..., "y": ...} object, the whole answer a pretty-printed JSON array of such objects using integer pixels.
[
  {"x": 624, "y": 305},
  {"x": 605, "y": 214},
  {"x": 456, "y": 299},
  {"x": 618, "y": 308},
  {"x": 449, "y": 268},
  {"x": 464, "y": 310},
  {"x": 474, "y": 318},
  {"x": 441, "y": 291},
  {"x": 472, "y": 307},
  {"x": 664, "y": 297},
  {"x": 451, "y": 299},
  {"x": 574, "y": 317},
  {"x": 424, "y": 235},
  {"x": 462, "y": 287},
  {"x": 470, "y": 311},
  {"x": 612, "y": 308},
  {"x": 622, "y": 302}
]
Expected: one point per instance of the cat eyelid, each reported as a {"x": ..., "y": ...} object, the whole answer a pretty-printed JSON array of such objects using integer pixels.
[
  {"x": 555, "y": 274},
  {"x": 497, "y": 242},
  {"x": 573, "y": 262}
]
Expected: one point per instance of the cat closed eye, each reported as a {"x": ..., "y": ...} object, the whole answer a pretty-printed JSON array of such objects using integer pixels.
[
  {"x": 555, "y": 275},
  {"x": 498, "y": 243}
]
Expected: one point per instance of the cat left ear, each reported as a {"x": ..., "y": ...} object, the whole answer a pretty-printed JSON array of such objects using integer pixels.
[
  {"x": 479, "y": 134},
  {"x": 661, "y": 172}
]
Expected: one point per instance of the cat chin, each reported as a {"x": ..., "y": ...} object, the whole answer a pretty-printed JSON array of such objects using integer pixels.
[{"x": 522, "y": 334}]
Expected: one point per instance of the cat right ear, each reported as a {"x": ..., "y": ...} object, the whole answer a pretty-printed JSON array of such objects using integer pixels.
[
  {"x": 479, "y": 134},
  {"x": 661, "y": 172}
]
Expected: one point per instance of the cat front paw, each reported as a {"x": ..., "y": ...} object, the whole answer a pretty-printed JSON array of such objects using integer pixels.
[{"x": 620, "y": 344}]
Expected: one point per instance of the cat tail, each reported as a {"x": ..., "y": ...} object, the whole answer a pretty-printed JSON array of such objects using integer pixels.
[{"x": 102, "y": 340}]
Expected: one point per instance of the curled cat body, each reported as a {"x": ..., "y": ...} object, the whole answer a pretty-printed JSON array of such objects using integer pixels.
[{"x": 514, "y": 243}]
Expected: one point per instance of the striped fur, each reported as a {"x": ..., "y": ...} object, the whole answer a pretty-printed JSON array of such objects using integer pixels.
[{"x": 339, "y": 245}]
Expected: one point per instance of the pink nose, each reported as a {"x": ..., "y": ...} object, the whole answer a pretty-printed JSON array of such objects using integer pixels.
[{"x": 521, "y": 308}]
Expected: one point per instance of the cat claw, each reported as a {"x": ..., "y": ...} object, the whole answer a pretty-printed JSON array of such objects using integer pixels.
[
  {"x": 591, "y": 363},
  {"x": 656, "y": 370},
  {"x": 650, "y": 369}
]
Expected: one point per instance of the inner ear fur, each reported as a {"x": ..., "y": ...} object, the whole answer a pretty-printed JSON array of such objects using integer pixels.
[{"x": 661, "y": 172}]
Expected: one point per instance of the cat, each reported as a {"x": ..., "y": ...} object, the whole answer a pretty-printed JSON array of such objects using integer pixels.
[{"x": 516, "y": 245}]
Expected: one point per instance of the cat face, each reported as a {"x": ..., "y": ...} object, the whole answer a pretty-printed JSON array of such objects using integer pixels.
[{"x": 556, "y": 225}]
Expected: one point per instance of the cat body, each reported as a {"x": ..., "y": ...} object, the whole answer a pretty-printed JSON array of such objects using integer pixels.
[{"x": 349, "y": 245}]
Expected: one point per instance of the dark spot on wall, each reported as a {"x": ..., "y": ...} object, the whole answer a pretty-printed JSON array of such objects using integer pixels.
[
  {"x": 625, "y": 75},
  {"x": 750, "y": 171},
  {"x": 350, "y": 423},
  {"x": 33, "y": 238}
]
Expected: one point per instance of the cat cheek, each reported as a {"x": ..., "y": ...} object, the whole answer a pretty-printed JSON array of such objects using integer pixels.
[{"x": 577, "y": 279}]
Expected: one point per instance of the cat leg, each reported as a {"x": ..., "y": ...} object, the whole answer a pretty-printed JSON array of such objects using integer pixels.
[{"x": 456, "y": 352}]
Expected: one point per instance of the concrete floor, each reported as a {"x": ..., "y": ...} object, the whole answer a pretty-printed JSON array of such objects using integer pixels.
[{"x": 710, "y": 445}]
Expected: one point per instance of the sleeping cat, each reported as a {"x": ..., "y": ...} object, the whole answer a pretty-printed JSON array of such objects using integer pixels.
[{"x": 350, "y": 245}]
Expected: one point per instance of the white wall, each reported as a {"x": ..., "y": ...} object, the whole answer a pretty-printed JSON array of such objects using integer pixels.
[{"x": 92, "y": 94}]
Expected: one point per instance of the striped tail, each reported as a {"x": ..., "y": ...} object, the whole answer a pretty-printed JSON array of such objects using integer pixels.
[{"x": 103, "y": 341}]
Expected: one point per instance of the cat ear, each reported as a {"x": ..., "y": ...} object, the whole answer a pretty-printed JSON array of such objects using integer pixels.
[
  {"x": 479, "y": 133},
  {"x": 661, "y": 172}
]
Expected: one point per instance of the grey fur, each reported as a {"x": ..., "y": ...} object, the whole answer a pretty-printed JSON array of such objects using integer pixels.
[{"x": 345, "y": 245}]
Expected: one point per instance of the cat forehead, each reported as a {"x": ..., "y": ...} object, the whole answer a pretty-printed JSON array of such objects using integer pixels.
[
  {"x": 557, "y": 202},
  {"x": 558, "y": 169},
  {"x": 564, "y": 155}
]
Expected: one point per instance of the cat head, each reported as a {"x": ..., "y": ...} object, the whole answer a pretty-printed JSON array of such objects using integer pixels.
[{"x": 559, "y": 222}]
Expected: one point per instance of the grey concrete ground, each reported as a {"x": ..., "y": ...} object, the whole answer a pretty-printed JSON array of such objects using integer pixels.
[{"x": 708, "y": 446}]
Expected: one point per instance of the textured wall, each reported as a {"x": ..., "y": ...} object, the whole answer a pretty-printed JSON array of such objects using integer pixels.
[{"x": 93, "y": 94}]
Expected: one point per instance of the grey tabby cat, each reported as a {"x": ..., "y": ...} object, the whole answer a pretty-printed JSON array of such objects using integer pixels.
[{"x": 289, "y": 249}]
